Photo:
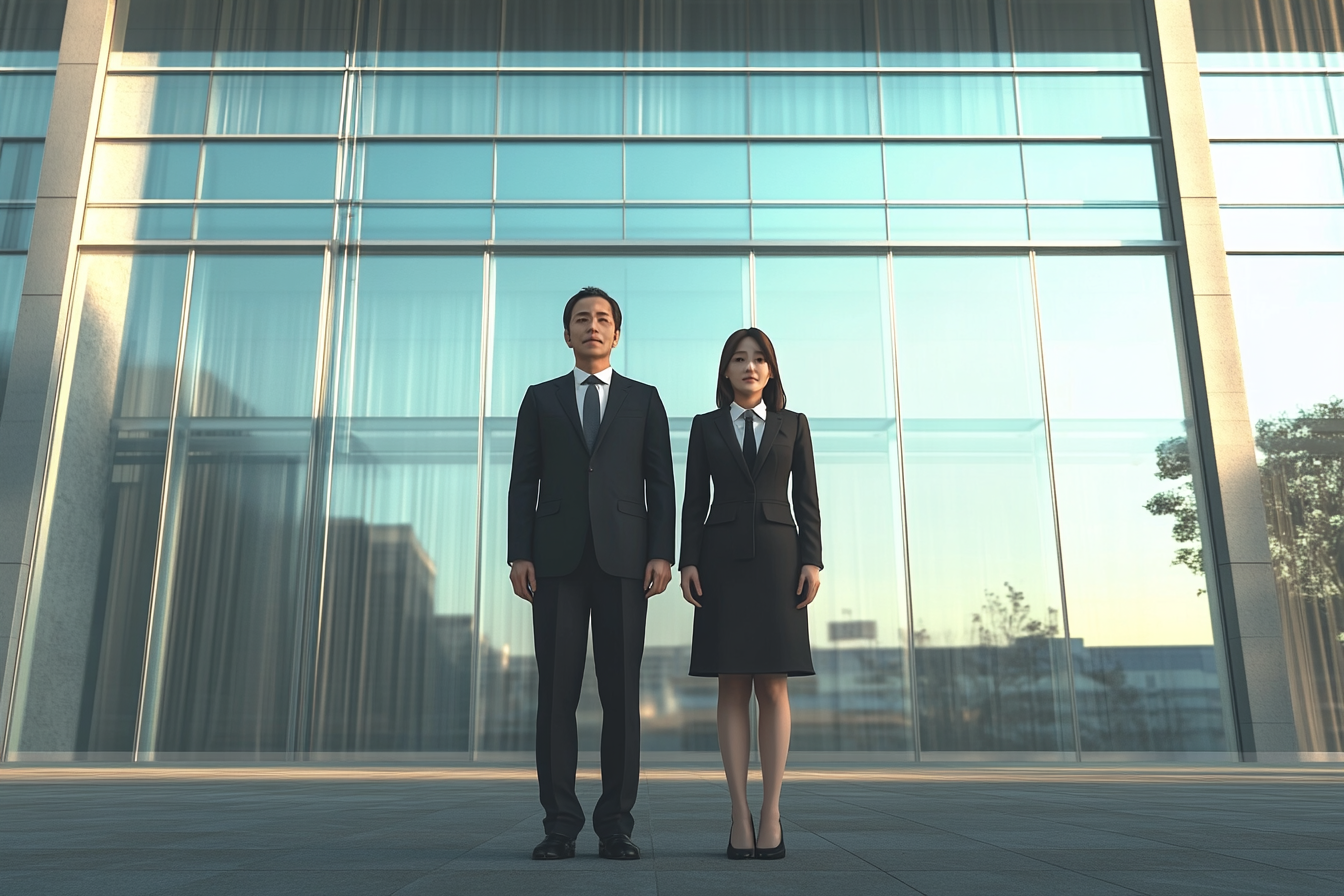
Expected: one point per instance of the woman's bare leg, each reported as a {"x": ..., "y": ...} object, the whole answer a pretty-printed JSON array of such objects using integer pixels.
[
  {"x": 735, "y": 745},
  {"x": 772, "y": 699}
]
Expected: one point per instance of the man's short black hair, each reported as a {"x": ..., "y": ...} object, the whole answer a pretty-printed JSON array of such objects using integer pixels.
[{"x": 589, "y": 292}]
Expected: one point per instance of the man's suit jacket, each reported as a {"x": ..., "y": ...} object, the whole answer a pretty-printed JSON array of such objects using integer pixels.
[{"x": 624, "y": 490}]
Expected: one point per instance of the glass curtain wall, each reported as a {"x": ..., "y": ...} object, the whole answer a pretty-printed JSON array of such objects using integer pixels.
[
  {"x": 326, "y": 250},
  {"x": 1273, "y": 82}
]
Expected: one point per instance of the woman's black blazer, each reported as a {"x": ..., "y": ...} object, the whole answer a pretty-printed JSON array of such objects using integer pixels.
[{"x": 745, "y": 499}]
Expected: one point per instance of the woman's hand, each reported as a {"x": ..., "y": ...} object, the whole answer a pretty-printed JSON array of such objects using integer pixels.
[
  {"x": 809, "y": 583},
  {"x": 690, "y": 585}
]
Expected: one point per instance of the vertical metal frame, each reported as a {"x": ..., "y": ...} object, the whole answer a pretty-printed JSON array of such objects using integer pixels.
[{"x": 486, "y": 384}]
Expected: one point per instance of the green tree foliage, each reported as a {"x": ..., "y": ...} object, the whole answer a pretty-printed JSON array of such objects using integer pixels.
[{"x": 1173, "y": 465}]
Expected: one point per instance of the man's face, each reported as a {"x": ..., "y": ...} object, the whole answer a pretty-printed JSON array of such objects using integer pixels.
[{"x": 592, "y": 332}]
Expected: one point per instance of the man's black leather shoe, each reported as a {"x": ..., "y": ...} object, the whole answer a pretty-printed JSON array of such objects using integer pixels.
[
  {"x": 555, "y": 846},
  {"x": 617, "y": 847}
]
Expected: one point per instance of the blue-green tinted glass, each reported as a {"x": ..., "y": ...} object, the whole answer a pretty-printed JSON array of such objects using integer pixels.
[
  {"x": 817, "y": 222},
  {"x": 953, "y": 171},
  {"x": 686, "y": 171},
  {"x": 684, "y": 222},
  {"x": 1337, "y": 101},
  {"x": 417, "y": 222},
  {"x": 275, "y": 104},
  {"x": 11, "y": 290},
  {"x": 284, "y": 33},
  {"x": 16, "y": 227},
  {"x": 155, "y": 222},
  {"x": 165, "y": 33},
  {"x": 242, "y": 222},
  {"x": 948, "y": 104},
  {"x": 428, "y": 170},
  {"x": 685, "y": 104},
  {"x": 1282, "y": 35},
  {"x": 144, "y": 171},
  {"x": 558, "y": 171},
  {"x": 814, "y": 104},
  {"x": 1277, "y": 172},
  {"x": 31, "y": 35},
  {"x": 812, "y": 33},
  {"x": 958, "y": 224},
  {"x": 1144, "y": 665},
  {"x": 247, "y": 170},
  {"x": 20, "y": 166},
  {"x": 560, "y": 104},
  {"x": 1099, "y": 105},
  {"x": 1090, "y": 172},
  {"x": 953, "y": 33},
  {"x": 1266, "y": 105},
  {"x": 557, "y": 222},
  {"x": 1283, "y": 229},
  {"x": 427, "y": 104},
  {"x": 154, "y": 104},
  {"x": 1097, "y": 224},
  {"x": 691, "y": 33},
  {"x": 564, "y": 33},
  {"x": 25, "y": 103},
  {"x": 1101, "y": 33},
  {"x": 421, "y": 33},
  {"x": 816, "y": 171}
]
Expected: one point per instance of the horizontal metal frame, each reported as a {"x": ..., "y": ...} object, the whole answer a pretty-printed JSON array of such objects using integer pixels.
[
  {"x": 1318, "y": 70},
  {"x": 116, "y": 69},
  {"x": 1315, "y": 138},
  {"x": 1285, "y": 206},
  {"x": 634, "y": 203},
  {"x": 641, "y": 247},
  {"x": 1326, "y": 252},
  {"x": 623, "y": 138}
]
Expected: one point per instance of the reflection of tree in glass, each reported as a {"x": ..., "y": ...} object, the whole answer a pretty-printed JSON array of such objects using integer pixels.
[
  {"x": 1005, "y": 619},
  {"x": 1173, "y": 464}
]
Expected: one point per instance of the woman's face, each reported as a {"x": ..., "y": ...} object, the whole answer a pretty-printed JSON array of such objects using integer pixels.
[{"x": 748, "y": 371}]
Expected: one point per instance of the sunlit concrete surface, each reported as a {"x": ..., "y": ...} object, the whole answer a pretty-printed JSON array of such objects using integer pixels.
[{"x": 931, "y": 829}]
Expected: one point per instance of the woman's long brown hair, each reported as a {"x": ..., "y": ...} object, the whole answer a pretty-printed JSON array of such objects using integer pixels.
[{"x": 774, "y": 390}]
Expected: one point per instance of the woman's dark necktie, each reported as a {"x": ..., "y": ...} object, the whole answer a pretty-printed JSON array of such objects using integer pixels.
[
  {"x": 592, "y": 412},
  {"x": 749, "y": 438}
]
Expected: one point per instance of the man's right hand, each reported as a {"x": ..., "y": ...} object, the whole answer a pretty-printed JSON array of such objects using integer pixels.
[
  {"x": 523, "y": 577},
  {"x": 690, "y": 585}
]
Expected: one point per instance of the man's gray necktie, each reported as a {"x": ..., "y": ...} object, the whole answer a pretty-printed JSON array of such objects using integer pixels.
[
  {"x": 749, "y": 438},
  {"x": 592, "y": 411}
]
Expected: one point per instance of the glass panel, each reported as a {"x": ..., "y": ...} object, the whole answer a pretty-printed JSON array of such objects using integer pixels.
[
  {"x": 1097, "y": 224},
  {"x": 816, "y": 171},
  {"x": 813, "y": 32},
  {"x": 958, "y": 224},
  {"x": 989, "y": 645},
  {"x": 427, "y": 104},
  {"x": 944, "y": 32},
  {"x": 564, "y": 32},
  {"x": 16, "y": 227},
  {"x": 953, "y": 171},
  {"x": 144, "y": 171},
  {"x": 429, "y": 33},
  {"x": 11, "y": 291},
  {"x": 558, "y": 222},
  {"x": 25, "y": 104},
  {"x": 284, "y": 32},
  {"x": 1095, "y": 105},
  {"x": 1102, "y": 33},
  {"x": 558, "y": 171},
  {"x": 1057, "y": 172},
  {"x": 145, "y": 223},
  {"x": 684, "y": 222},
  {"x": 396, "y": 632},
  {"x": 154, "y": 104},
  {"x": 818, "y": 222},
  {"x": 1145, "y": 670},
  {"x": 165, "y": 32},
  {"x": 948, "y": 104},
  {"x": 20, "y": 166},
  {"x": 860, "y": 698},
  {"x": 428, "y": 170},
  {"x": 275, "y": 104},
  {"x": 1290, "y": 312},
  {"x": 30, "y": 32},
  {"x": 1337, "y": 101},
  {"x": 1283, "y": 229},
  {"x": 1277, "y": 172},
  {"x": 245, "y": 170},
  {"x": 814, "y": 104},
  {"x": 1260, "y": 106},
  {"x": 1267, "y": 33},
  {"x": 685, "y": 104},
  {"x": 690, "y": 33},
  {"x": 236, "y": 580},
  {"x": 269, "y": 222},
  {"x": 560, "y": 104},
  {"x": 424, "y": 223},
  {"x": 677, "y": 311},
  {"x": 686, "y": 171}
]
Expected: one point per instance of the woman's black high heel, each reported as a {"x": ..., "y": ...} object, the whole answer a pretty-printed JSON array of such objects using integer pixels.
[
  {"x": 750, "y": 852},
  {"x": 773, "y": 852}
]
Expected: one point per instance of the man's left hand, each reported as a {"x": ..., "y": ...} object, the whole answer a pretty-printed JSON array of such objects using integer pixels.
[{"x": 657, "y": 573}]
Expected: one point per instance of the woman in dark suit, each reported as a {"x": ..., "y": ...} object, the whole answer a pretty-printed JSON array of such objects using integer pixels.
[{"x": 750, "y": 571}]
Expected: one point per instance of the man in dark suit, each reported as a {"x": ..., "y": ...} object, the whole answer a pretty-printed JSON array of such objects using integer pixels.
[{"x": 592, "y": 512}]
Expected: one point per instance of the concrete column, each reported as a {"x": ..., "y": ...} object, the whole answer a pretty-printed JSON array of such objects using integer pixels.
[
  {"x": 1252, "y": 629},
  {"x": 26, "y": 423}
]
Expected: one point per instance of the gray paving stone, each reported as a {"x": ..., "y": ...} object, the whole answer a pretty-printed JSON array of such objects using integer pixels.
[
  {"x": 1298, "y": 859},
  {"x": 1223, "y": 883},
  {"x": 298, "y": 883},
  {"x": 992, "y": 859},
  {"x": 1138, "y": 859},
  {"x": 758, "y": 879},
  {"x": 1010, "y": 883},
  {"x": 97, "y": 883},
  {"x": 632, "y": 882}
]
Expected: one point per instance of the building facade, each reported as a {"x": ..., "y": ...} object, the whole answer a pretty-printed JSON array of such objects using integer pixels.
[{"x": 271, "y": 296}]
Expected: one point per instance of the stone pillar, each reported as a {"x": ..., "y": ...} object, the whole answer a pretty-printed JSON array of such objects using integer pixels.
[{"x": 1248, "y": 604}]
